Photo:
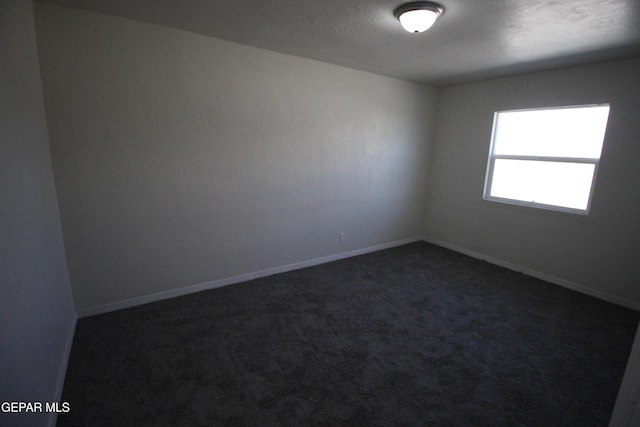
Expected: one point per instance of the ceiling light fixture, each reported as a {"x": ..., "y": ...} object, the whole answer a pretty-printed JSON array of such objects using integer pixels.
[{"x": 418, "y": 16}]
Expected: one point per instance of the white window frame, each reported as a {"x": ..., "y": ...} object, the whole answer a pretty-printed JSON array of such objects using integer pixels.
[{"x": 493, "y": 157}]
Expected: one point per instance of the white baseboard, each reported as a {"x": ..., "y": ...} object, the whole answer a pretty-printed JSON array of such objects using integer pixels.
[
  {"x": 62, "y": 373},
  {"x": 132, "y": 302},
  {"x": 539, "y": 275}
]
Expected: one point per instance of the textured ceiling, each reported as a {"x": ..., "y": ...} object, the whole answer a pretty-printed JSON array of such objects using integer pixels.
[{"x": 474, "y": 39}]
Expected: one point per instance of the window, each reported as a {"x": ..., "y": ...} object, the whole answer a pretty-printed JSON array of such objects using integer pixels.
[{"x": 546, "y": 158}]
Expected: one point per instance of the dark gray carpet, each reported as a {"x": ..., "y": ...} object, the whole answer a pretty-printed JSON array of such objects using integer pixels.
[{"x": 415, "y": 335}]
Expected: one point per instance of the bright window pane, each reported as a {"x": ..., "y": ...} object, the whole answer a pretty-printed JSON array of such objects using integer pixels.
[
  {"x": 546, "y": 157},
  {"x": 551, "y": 183},
  {"x": 576, "y": 132}
]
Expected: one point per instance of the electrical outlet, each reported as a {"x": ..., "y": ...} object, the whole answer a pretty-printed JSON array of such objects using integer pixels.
[{"x": 342, "y": 237}]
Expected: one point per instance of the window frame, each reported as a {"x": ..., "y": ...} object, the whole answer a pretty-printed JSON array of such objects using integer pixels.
[{"x": 488, "y": 183}]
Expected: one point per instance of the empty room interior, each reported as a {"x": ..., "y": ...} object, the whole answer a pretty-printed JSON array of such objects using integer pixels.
[{"x": 298, "y": 212}]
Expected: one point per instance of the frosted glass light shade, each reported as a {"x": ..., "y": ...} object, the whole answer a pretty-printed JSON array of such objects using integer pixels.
[
  {"x": 417, "y": 17},
  {"x": 417, "y": 21}
]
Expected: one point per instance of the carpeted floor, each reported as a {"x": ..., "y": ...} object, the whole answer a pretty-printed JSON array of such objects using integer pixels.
[{"x": 415, "y": 335}]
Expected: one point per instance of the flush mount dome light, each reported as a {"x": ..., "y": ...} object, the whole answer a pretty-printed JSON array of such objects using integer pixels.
[{"x": 418, "y": 16}]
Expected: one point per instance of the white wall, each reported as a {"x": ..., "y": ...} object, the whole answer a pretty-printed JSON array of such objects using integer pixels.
[
  {"x": 36, "y": 308},
  {"x": 182, "y": 159},
  {"x": 599, "y": 252}
]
